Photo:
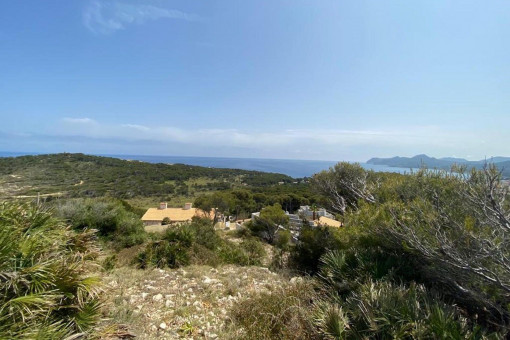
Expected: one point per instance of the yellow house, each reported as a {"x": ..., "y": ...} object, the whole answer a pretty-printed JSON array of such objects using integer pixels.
[{"x": 154, "y": 216}]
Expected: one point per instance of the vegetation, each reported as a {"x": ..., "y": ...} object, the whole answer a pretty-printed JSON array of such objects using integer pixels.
[
  {"x": 420, "y": 256},
  {"x": 112, "y": 218},
  {"x": 198, "y": 243},
  {"x": 268, "y": 223},
  {"x": 407, "y": 237},
  {"x": 47, "y": 291},
  {"x": 80, "y": 175},
  {"x": 283, "y": 314},
  {"x": 240, "y": 203},
  {"x": 312, "y": 244}
]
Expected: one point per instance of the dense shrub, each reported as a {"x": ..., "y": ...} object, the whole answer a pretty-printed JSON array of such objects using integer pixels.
[
  {"x": 312, "y": 244},
  {"x": 109, "y": 216},
  {"x": 383, "y": 310},
  {"x": 46, "y": 288},
  {"x": 344, "y": 270},
  {"x": 447, "y": 231},
  {"x": 198, "y": 243}
]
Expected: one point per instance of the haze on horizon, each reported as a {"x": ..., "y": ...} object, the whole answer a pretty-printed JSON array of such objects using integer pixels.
[{"x": 329, "y": 80}]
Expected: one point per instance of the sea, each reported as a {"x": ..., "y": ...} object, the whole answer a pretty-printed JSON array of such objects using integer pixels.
[{"x": 291, "y": 167}]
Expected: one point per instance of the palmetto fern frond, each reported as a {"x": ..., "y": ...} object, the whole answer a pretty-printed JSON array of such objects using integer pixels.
[{"x": 46, "y": 291}]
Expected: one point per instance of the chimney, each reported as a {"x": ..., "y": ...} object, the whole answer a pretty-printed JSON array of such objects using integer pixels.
[
  {"x": 187, "y": 206},
  {"x": 163, "y": 205}
]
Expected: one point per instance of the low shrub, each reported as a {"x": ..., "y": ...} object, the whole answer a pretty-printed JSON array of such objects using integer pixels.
[
  {"x": 110, "y": 217},
  {"x": 362, "y": 299},
  {"x": 285, "y": 313},
  {"x": 313, "y": 242},
  {"x": 198, "y": 243},
  {"x": 47, "y": 291},
  {"x": 110, "y": 262},
  {"x": 283, "y": 239},
  {"x": 383, "y": 310}
]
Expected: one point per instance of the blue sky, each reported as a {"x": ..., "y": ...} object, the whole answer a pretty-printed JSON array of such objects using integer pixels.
[{"x": 315, "y": 79}]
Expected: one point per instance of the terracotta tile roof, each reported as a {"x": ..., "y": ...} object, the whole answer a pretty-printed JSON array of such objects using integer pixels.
[{"x": 174, "y": 214}]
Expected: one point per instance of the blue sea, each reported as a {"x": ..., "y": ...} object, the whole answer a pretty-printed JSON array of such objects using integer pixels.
[{"x": 293, "y": 168}]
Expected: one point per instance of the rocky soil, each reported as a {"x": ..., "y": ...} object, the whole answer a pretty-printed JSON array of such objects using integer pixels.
[{"x": 188, "y": 303}]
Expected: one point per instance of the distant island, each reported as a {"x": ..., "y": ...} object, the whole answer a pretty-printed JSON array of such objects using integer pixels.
[{"x": 419, "y": 161}]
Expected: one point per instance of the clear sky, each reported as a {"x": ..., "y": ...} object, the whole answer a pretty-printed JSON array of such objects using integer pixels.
[{"x": 314, "y": 79}]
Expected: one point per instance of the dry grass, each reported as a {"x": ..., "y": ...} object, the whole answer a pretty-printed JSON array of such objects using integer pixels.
[{"x": 283, "y": 313}]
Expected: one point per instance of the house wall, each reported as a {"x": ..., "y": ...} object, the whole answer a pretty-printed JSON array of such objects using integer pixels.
[{"x": 151, "y": 222}]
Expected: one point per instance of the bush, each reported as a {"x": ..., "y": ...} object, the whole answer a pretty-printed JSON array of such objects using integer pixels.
[
  {"x": 283, "y": 238},
  {"x": 312, "y": 244},
  {"x": 448, "y": 231},
  {"x": 110, "y": 217},
  {"x": 47, "y": 289},
  {"x": 343, "y": 270},
  {"x": 254, "y": 249},
  {"x": 285, "y": 313},
  {"x": 198, "y": 243},
  {"x": 110, "y": 262},
  {"x": 172, "y": 251},
  {"x": 382, "y": 310}
]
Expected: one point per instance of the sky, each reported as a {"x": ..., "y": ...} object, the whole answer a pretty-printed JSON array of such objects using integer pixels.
[{"x": 300, "y": 79}]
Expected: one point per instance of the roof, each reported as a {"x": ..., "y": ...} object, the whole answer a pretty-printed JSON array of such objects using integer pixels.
[
  {"x": 174, "y": 214},
  {"x": 329, "y": 222}
]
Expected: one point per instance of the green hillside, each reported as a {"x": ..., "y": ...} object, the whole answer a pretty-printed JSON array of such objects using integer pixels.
[{"x": 79, "y": 175}]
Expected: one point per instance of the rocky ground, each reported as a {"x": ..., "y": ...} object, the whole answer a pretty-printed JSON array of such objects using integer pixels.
[{"x": 188, "y": 303}]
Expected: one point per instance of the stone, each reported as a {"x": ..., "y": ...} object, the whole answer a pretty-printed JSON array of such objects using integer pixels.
[
  {"x": 296, "y": 279},
  {"x": 162, "y": 325},
  {"x": 157, "y": 298}
]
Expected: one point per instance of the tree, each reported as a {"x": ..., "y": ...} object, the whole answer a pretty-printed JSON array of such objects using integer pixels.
[
  {"x": 242, "y": 202},
  {"x": 454, "y": 227},
  {"x": 217, "y": 203},
  {"x": 314, "y": 211},
  {"x": 461, "y": 230},
  {"x": 344, "y": 185},
  {"x": 269, "y": 221},
  {"x": 166, "y": 221}
]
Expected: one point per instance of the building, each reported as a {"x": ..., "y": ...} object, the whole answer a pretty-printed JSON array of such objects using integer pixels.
[
  {"x": 155, "y": 216},
  {"x": 295, "y": 221},
  {"x": 307, "y": 211}
]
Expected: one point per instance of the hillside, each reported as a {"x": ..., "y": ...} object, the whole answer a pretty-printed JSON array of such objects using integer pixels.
[
  {"x": 78, "y": 175},
  {"x": 419, "y": 161}
]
